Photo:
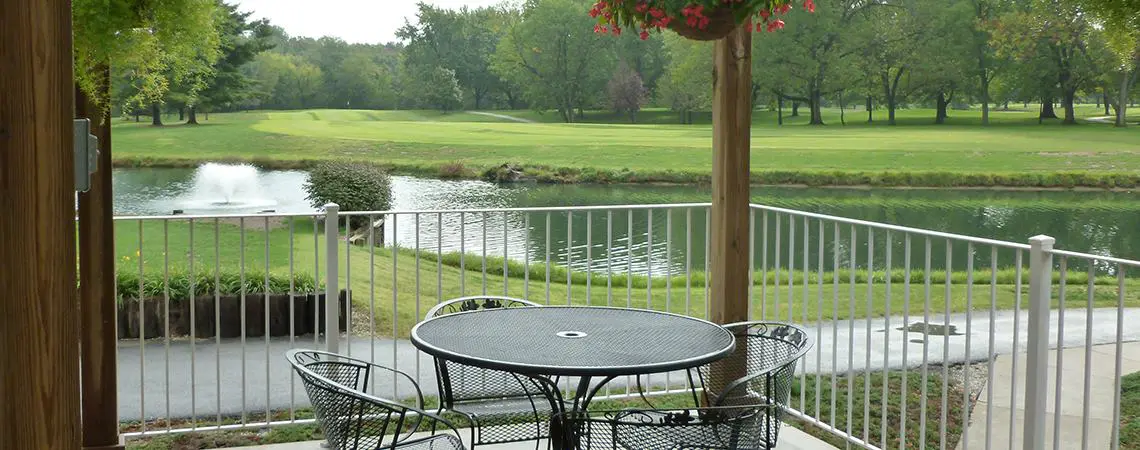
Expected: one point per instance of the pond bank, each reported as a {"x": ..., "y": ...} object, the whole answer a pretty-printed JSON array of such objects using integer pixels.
[{"x": 808, "y": 178}]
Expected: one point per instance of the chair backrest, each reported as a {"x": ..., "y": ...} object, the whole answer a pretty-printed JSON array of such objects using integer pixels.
[
  {"x": 349, "y": 417},
  {"x": 764, "y": 370},
  {"x": 461, "y": 382}
]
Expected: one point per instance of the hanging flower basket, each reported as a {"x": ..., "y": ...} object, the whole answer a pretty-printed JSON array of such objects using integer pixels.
[{"x": 702, "y": 20}]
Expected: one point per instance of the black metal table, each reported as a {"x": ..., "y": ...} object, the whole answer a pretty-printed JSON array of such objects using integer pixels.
[{"x": 583, "y": 342}]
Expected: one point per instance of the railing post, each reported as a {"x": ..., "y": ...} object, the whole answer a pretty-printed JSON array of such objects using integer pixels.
[
  {"x": 332, "y": 292},
  {"x": 1037, "y": 359}
]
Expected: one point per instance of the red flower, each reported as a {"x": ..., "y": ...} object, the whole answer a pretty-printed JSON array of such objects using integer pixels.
[
  {"x": 765, "y": 14},
  {"x": 617, "y": 30},
  {"x": 775, "y": 25},
  {"x": 641, "y": 7},
  {"x": 809, "y": 5},
  {"x": 784, "y": 8},
  {"x": 644, "y": 35}
]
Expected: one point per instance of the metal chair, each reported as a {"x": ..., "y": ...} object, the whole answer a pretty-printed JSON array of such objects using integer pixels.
[
  {"x": 743, "y": 413},
  {"x": 501, "y": 406},
  {"x": 352, "y": 419}
]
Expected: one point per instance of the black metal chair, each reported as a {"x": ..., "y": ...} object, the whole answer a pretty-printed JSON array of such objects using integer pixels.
[
  {"x": 743, "y": 413},
  {"x": 501, "y": 406},
  {"x": 352, "y": 419}
]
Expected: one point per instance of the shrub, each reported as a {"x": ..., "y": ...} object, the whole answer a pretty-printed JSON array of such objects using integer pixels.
[
  {"x": 226, "y": 282},
  {"x": 451, "y": 170},
  {"x": 353, "y": 186}
]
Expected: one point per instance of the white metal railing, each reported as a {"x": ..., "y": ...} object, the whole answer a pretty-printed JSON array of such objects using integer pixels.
[{"x": 906, "y": 321}]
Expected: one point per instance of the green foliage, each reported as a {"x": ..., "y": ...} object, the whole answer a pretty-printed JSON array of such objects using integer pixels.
[
  {"x": 352, "y": 186},
  {"x": 153, "y": 44},
  {"x": 436, "y": 87},
  {"x": 553, "y": 54},
  {"x": 1130, "y": 412},
  {"x": 226, "y": 282},
  {"x": 687, "y": 83}
]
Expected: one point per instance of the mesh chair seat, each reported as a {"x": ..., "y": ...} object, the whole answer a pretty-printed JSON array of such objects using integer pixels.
[
  {"x": 353, "y": 419},
  {"x": 748, "y": 392},
  {"x": 502, "y": 406},
  {"x": 440, "y": 442}
]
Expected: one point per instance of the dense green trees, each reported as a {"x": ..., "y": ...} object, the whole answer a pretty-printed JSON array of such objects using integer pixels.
[{"x": 546, "y": 55}]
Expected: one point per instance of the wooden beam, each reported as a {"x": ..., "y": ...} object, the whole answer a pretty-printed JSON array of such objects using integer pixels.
[
  {"x": 39, "y": 347},
  {"x": 732, "y": 123},
  {"x": 98, "y": 365}
]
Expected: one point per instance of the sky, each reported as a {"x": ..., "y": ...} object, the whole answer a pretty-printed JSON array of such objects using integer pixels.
[{"x": 355, "y": 21}]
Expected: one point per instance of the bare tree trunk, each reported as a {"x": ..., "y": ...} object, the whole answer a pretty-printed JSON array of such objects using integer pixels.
[
  {"x": 985, "y": 99},
  {"x": 1125, "y": 86},
  {"x": 816, "y": 107},
  {"x": 942, "y": 103},
  {"x": 842, "y": 110},
  {"x": 780, "y": 111},
  {"x": 795, "y": 109},
  {"x": 193, "y": 120},
  {"x": 1047, "y": 111},
  {"x": 1068, "y": 98},
  {"x": 181, "y": 114},
  {"x": 870, "y": 111},
  {"x": 156, "y": 115}
]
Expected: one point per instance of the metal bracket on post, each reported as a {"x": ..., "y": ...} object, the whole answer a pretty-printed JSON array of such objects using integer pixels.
[
  {"x": 332, "y": 292},
  {"x": 1037, "y": 358},
  {"x": 86, "y": 154}
]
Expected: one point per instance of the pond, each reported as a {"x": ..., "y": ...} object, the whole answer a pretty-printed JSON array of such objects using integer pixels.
[{"x": 1106, "y": 223}]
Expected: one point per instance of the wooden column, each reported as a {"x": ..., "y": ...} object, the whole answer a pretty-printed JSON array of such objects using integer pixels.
[
  {"x": 732, "y": 123},
  {"x": 39, "y": 346},
  {"x": 100, "y": 402}
]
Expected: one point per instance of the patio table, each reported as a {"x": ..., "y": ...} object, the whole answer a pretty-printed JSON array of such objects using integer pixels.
[{"x": 584, "y": 342}]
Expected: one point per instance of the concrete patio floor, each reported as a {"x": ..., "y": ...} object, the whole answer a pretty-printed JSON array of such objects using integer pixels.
[{"x": 791, "y": 438}]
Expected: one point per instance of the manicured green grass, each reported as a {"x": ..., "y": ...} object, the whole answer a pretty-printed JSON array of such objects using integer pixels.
[
  {"x": 1013, "y": 151},
  {"x": 385, "y": 277},
  {"x": 1130, "y": 412}
]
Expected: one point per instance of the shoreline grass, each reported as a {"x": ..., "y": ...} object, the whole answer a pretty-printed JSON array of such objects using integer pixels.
[
  {"x": 1013, "y": 152},
  {"x": 385, "y": 277}
]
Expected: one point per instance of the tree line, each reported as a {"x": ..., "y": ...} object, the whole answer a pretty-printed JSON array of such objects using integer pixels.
[{"x": 880, "y": 55}]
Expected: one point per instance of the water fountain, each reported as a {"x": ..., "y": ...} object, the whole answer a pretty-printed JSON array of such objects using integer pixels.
[{"x": 226, "y": 187}]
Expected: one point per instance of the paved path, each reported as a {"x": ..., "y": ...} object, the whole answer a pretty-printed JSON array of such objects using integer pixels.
[
  {"x": 221, "y": 370},
  {"x": 502, "y": 116},
  {"x": 991, "y": 420}
]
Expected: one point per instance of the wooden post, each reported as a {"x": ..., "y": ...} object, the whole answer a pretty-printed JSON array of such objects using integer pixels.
[
  {"x": 97, "y": 287},
  {"x": 39, "y": 346},
  {"x": 732, "y": 123}
]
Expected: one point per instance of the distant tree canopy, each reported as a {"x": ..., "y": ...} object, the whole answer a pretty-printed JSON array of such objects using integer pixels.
[{"x": 882, "y": 55}]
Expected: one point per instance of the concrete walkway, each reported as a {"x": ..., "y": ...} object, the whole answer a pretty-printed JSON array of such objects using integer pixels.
[
  {"x": 210, "y": 377},
  {"x": 991, "y": 421},
  {"x": 790, "y": 439}
]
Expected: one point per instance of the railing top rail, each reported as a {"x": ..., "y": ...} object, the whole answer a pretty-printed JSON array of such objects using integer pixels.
[
  {"x": 901, "y": 229},
  {"x": 531, "y": 209},
  {"x": 1109, "y": 259},
  {"x": 219, "y": 216}
]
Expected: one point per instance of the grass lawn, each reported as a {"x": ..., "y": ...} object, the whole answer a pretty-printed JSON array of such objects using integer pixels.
[
  {"x": 1130, "y": 412},
  {"x": 396, "y": 290},
  {"x": 1015, "y": 149}
]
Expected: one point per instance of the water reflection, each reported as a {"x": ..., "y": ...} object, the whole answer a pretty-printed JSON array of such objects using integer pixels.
[{"x": 665, "y": 241}]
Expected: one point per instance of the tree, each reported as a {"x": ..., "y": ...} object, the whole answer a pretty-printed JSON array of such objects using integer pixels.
[
  {"x": 438, "y": 88},
  {"x": 241, "y": 41},
  {"x": 460, "y": 40},
  {"x": 987, "y": 62},
  {"x": 626, "y": 92},
  {"x": 1120, "y": 21},
  {"x": 1054, "y": 38},
  {"x": 155, "y": 44},
  {"x": 807, "y": 57},
  {"x": 687, "y": 83},
  {"x": 291, "y": 82},
  {"x": 361, "y": 82},
  {"x": 555, "y": 57}
]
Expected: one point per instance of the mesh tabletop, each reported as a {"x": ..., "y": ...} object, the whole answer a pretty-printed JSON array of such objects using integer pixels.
[{"x": 573, "y": 341}]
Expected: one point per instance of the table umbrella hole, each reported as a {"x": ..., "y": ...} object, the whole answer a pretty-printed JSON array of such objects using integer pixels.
[{"x": 571, "y": 334}]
